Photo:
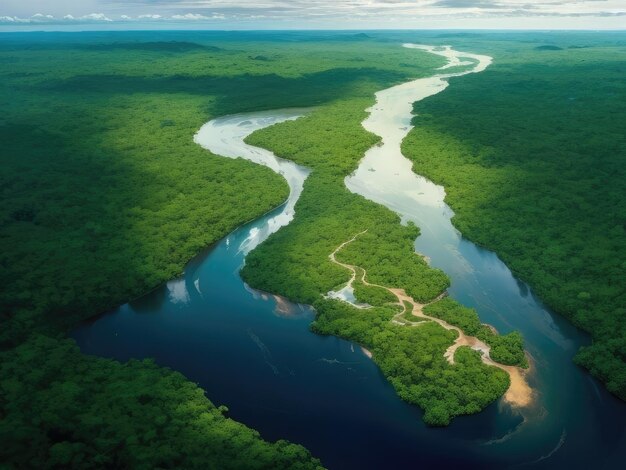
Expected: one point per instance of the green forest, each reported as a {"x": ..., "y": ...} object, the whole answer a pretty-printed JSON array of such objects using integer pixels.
[
  {"x": 105, "y": 196},
  {"x": 533, "y": 159}
]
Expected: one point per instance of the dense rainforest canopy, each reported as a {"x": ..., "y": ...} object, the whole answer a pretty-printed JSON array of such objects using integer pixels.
[{"x": 105, "y": 195}]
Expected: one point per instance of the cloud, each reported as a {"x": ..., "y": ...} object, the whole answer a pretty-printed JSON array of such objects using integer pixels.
[
  {"x": 350, "y": 10},
  {"x": 302, "y": 12},
  {"x": 95, "y": 17},
  {"x": 10, "y": 19},
  {"x": 179, "y": 17},
  {"x": 40, "y": 18},
  {"x": 197, "y": 17}
]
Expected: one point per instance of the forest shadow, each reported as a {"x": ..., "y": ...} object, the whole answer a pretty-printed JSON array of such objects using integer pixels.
[
  {"x": 65, "y": 252},
  {"x": 126, "y": 44},
  {"x": 151, "y": 46},
  {"x": 241, "y": 92}
]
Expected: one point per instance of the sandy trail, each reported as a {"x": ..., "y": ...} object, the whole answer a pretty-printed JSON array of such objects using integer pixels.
[{"x": 519, "y": 394}]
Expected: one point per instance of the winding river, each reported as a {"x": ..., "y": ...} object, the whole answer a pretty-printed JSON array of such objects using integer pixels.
[{"x": 254, "y": 352}]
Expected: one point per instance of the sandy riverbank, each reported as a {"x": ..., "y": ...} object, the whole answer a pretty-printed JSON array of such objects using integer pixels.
[{"x": 518, "y": 395}]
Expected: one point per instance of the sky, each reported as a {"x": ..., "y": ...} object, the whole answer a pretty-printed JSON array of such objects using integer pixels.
[{"x": 16, "y": 15}]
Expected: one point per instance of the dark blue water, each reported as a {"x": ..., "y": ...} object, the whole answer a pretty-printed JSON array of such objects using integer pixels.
[{"x": 255, "y": 354}]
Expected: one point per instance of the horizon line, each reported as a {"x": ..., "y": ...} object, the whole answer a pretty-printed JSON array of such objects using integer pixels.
[{"x": 243, "y": 30}]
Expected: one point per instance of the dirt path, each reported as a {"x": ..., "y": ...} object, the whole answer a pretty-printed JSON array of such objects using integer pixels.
[{"x": 519, "y": 393}]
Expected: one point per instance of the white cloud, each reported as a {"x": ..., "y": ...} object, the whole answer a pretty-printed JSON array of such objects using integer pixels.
[
  {"x": 40, "y": 18},
  {"x": 95, "y": 17},
  {"x": 197, "y": 17},
  {"x": 190, "y": 16},
  {"x": 299, "y": 9},
  {"x": 308, "y": 13}
]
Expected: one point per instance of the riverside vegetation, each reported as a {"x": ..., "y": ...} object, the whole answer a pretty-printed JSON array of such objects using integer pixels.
[
  {"x": 295, "y": 263},
  {"x": 532, "y": 153},
  {"x": 105, "y": 195}
]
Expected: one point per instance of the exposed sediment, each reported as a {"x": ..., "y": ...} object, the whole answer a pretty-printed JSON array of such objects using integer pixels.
[{"x": 519, "y": 394}]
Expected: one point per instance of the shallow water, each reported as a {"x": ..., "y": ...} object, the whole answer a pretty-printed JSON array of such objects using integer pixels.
[{"x": 254, "y": 353}]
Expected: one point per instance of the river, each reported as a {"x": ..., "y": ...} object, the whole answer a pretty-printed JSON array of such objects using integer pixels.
[{"x": 254, "y": 353}]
